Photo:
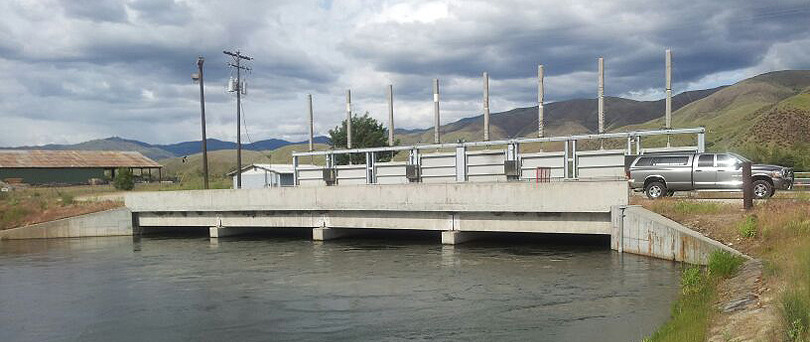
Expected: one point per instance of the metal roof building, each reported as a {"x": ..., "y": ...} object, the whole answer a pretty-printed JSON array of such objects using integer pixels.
[
  {"x": 258, "y": 176},
  {"x": 69, "y": 167}
]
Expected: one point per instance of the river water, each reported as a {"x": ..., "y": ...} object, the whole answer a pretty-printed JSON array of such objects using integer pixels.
[{"x": 281, "y": 288}]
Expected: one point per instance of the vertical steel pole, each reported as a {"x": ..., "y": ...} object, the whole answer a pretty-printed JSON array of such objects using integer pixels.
[
  {"x": 601, "y": 99},
  {"x": 486, "y": 106},
  {"x": 436, "y": 120},
  {"x": 390, "y": 115},
  {"x": 668, "y": 113},
  {"x": 311, "y": 124},
  {"x": 540, "y": 99},
  {"x": 566, "y": 157},
  {"x": 349, "y": 120},
  {"x": 200, "y": 61}
]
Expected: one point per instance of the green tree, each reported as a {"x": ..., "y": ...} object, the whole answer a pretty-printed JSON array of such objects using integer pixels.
[
  {"x": 366, "y": 132},
  {"x": 123, "y": 179}
]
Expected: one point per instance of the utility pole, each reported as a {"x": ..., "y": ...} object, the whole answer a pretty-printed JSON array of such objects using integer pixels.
[
  {"x": 237, "y": 58},
  {"x": 486, "y": 106},
  {"x": 199, "y": 76}
]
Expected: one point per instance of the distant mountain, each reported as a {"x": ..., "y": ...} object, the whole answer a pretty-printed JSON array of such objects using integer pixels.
[
  {"x": 108, "y": 144},
  {"x": 561, "y": 118},
  {"x": 771, "y": 109},
  {"x": 158, "y": 152}
]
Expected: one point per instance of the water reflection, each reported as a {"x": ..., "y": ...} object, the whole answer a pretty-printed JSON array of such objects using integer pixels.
[{"x": 289, "y": 288}]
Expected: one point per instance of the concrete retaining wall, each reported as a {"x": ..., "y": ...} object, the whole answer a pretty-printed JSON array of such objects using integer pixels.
[
  {"x": 643, "y": 232},
  {"x": 114, "y": 222}
]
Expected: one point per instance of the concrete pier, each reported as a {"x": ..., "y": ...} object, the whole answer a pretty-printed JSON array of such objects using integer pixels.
[{"x": 325, "y": 234}]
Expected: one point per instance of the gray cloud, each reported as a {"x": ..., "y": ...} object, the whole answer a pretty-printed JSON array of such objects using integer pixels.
[{"x": 93, "y": 69}]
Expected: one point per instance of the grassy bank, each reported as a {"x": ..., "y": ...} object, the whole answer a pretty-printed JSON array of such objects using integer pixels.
[
  {"x": 34, "y": 205},
  {"x": 692, "y": 312},
  {"x": 775, "y": 231}
]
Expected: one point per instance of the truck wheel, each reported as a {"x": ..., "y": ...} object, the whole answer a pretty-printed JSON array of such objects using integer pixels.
[
  {"x": 655, "y": 190},
  {"x": 762, "y": 189}
]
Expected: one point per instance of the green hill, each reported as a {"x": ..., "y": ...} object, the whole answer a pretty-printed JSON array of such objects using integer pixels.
[{"x": 766, "y": 117}]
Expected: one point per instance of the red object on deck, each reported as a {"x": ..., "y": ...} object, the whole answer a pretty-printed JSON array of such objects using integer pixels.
[{"x": 542, "y": 175}]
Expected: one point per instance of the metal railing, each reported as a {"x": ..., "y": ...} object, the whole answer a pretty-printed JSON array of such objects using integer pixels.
[{"x": 457, "y": 162}]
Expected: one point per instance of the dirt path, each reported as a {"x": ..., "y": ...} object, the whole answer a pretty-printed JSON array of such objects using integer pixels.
[{"x": 746, "y": 309}]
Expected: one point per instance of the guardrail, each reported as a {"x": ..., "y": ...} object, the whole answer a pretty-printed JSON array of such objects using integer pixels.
[
  {"x": 456, "y": 162},
  {"x": 801, "y": 180}
]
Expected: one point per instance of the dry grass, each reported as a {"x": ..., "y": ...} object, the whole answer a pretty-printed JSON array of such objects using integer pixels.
[
  {"x": 35, "y": 205},
  {"x": 776, "y": 231}
]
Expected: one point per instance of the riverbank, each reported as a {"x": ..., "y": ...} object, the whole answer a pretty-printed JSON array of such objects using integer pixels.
[
  {"x": 768, "y": 298},
  {"x": 27, "y": 206}
]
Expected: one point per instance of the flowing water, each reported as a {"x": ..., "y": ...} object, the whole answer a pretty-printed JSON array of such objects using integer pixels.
[{"x": 289, "y": 288}]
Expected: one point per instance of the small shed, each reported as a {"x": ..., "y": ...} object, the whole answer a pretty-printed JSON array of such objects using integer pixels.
[
  {"x": 258, "y": 176},
  {"x": 69, "y": 167}
]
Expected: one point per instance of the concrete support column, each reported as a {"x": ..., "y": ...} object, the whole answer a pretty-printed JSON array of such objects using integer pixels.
[
  {"x": 454, "y": 237},
  {"x": 324, "y": 234}
]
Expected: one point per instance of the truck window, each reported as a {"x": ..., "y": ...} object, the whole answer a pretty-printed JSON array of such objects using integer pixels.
[
  {"x": 644, "y": 161},
  {"x": 671, "y": 161},
  {"x": 725, "y": 160},
  {"x": 706, "y": 160}
]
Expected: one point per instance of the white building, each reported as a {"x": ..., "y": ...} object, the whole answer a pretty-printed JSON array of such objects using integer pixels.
[{"x": 258, "y": 176}]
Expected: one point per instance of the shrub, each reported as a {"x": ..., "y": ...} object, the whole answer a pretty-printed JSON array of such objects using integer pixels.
[
  {"x": 66, "y": 198},
  {"x": 691, "y": 279},
  {"x": 124, "y": 180},
  {"x": 798, "y": 226},
  {"x": 723, "y": 263},
  {"x": 796, "y": 313},
  {"x": 748, "y": 227}
]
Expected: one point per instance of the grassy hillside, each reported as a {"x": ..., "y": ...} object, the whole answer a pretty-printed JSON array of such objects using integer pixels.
[
  {"x": 766, "y": 117},
  {"x": 561, "y": 118}
]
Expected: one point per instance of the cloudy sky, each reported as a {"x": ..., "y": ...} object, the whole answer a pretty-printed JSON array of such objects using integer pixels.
[{"x": 75, "y": 70}]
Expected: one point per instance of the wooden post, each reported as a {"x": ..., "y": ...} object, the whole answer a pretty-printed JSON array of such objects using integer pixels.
[{"x": 748, "y": 190}]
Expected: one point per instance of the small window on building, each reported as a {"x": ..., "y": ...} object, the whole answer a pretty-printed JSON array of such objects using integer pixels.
[
  {"x": 644, "y": 161},
  {"x": 706, "y": 160},
  {"x": 671, "y": 161}
]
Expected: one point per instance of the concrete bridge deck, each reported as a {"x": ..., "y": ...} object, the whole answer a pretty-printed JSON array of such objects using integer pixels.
[{"x": 571, "y": 207}]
